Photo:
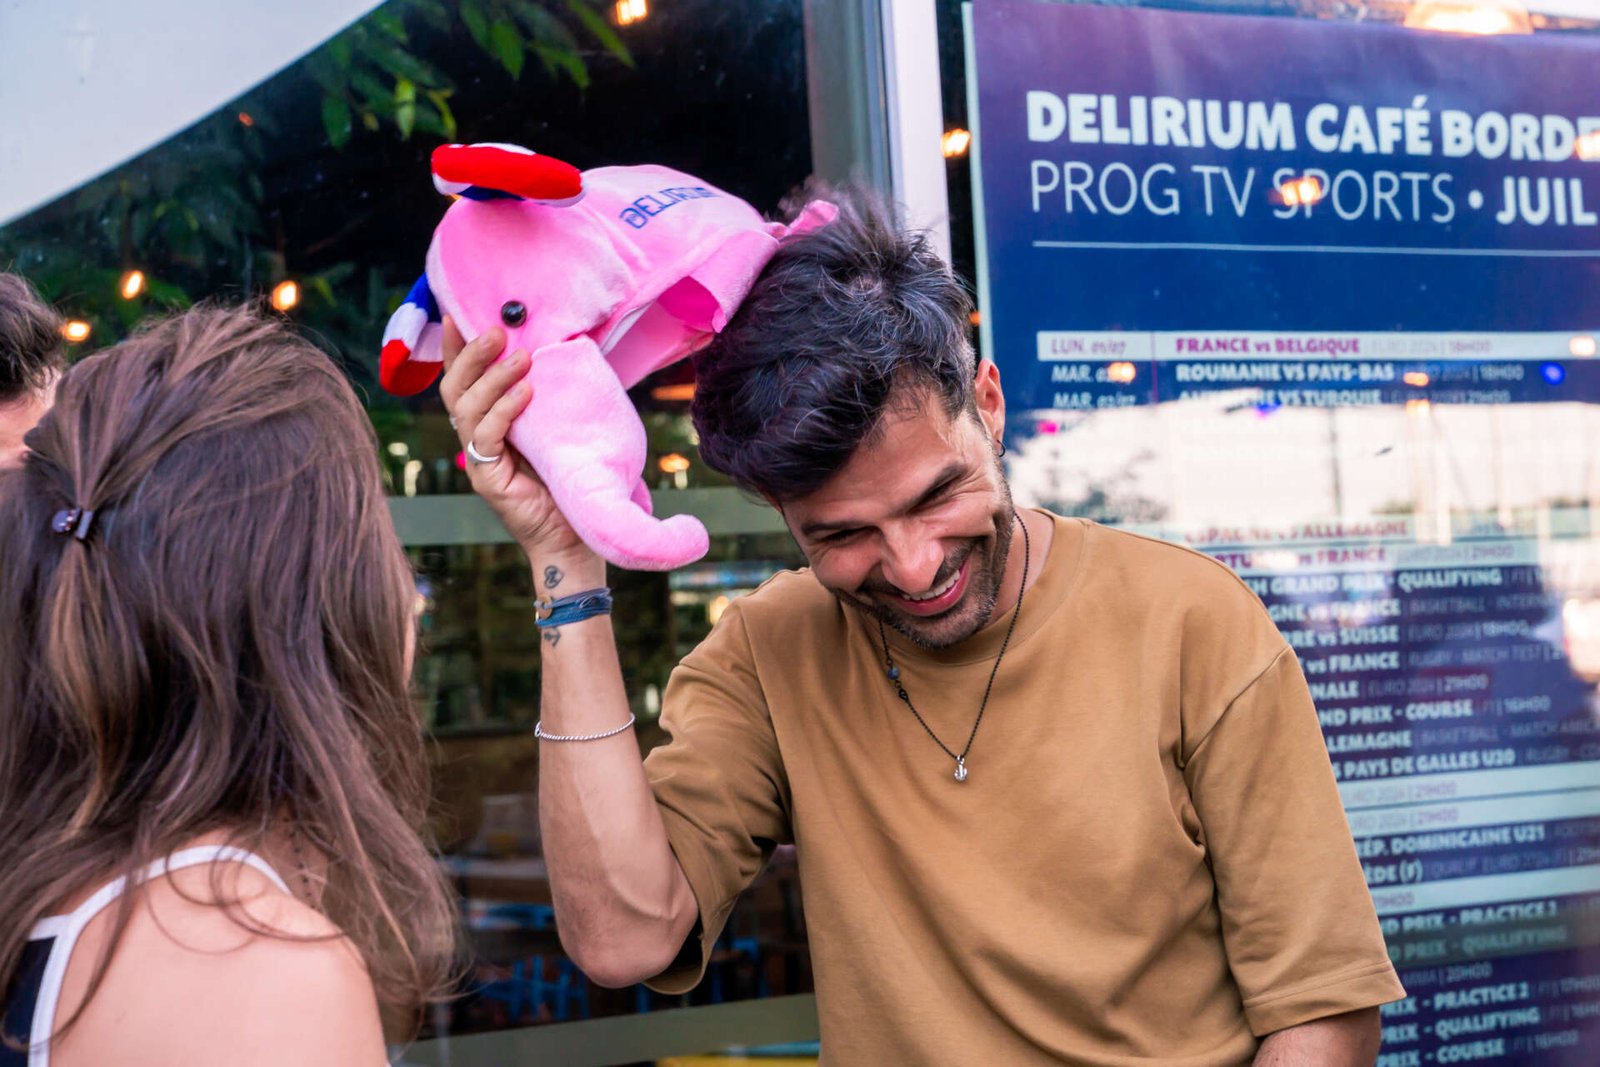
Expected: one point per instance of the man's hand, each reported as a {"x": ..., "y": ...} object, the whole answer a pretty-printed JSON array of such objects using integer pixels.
[
  {"x": 1348, "y": 1040},
  {"x": 483, "y": 396}
]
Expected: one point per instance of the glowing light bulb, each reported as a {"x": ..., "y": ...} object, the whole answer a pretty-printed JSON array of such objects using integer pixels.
[
  {"x": 955, "y": 142},
  {"x": 627, "y": 12},
  {"x": 285, "y": 295},
  {"x": 132, "y": 284},
  {"x": 682, "y": 392},
  {"x": 75, "y": 330},
  {"x": 1478, "y": 17},
  {"x": 673, "y": 463},
  {"x": 1122, "y": 372},
  {"x": 1417, "y": 378},
  {"x": 1300, "y": 192},
  {"x": 1582, "y": 347}
]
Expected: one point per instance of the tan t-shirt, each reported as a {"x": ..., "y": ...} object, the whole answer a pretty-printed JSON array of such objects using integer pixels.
[{"x": 1148, "y": 860}]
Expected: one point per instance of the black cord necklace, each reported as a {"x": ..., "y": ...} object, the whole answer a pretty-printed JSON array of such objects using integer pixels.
[{"x": 900, "y": 690}]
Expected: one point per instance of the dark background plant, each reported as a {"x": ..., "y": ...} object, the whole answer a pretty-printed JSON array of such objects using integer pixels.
[{"x": 195, "y": 214}]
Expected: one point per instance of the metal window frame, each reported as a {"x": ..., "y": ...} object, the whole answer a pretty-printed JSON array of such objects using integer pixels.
[{"x": 872, "y": 85}]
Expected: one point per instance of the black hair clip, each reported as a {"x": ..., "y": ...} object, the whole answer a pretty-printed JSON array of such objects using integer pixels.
[{"x": 74, "y": 521}]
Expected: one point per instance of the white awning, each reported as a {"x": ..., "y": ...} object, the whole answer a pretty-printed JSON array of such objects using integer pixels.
[{"x": 88, "y": 84}]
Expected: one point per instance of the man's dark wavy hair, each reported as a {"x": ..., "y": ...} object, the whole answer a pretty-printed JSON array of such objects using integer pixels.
[{"x": 841, "y": 320}]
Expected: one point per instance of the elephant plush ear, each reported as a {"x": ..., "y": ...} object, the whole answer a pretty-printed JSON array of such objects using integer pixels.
[
  {"x": 411, "y": 357},
  {"x": 505, "y": 172}
]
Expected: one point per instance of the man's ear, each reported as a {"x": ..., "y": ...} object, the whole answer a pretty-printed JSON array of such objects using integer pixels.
[{"x": 989, "y": 398}]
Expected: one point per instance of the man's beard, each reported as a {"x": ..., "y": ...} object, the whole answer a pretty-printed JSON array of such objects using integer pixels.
[{"x": 976, "y": 606}]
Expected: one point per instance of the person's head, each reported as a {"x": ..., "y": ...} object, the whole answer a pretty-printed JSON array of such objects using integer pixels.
[
  {"x": 208, "y": 619},
  {"x": 31, "y": 360},
  {"x": 846, "y": 393}
]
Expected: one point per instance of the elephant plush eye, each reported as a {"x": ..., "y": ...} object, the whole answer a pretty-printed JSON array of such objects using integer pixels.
[{"x": 513, "y": 313}]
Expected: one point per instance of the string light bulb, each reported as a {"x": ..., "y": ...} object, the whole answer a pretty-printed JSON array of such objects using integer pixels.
[
  {"x": 955, "y": 142},
  {"x": 76, "y": 330},
  {"x": 1477, "y": 17},
  {"x": 627, "y": 12},
  {"x": 132, "y": 284},
  {"x": 1300, "y": 192},
  {"x": 285, "y": 295},
  {"x": 680, "y": 392}
]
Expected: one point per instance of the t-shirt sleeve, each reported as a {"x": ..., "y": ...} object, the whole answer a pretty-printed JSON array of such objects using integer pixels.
[
  {"x": 719, "y": 784},
  {"x": 1298, "y": 923}
]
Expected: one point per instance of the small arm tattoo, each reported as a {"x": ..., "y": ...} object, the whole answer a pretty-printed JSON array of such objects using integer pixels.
[
  {"x": 552, "y": 637},
  {"x": 553, "y": 577}
]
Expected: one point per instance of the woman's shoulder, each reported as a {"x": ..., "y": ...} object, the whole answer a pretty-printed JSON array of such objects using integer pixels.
[{"x": 219, "y": 964}]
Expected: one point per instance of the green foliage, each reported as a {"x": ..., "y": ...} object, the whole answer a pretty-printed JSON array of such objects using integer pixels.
[
  {"x": 367, "y": 71},
  {"x": 188, "y": 213},
  {"x": 506, "y": 43},
  {"x": 176, "y": 213},
  {"x": 336, "y": 120}
]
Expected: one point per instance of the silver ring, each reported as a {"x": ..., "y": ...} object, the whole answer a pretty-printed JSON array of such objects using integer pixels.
[{"x": 478, "y": 457}]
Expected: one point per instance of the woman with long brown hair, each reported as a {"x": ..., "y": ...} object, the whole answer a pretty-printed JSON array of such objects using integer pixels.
[{"x": 212, "y": 778}]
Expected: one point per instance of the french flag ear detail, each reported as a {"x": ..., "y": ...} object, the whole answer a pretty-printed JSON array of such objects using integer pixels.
[
  {"x": 505, "y": 172},
  {"x": 412, "y": 356}
]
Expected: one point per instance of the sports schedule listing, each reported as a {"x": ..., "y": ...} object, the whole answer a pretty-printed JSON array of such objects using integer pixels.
[
  {"x": 1090, "y": 370},
  {"x": 1468, "y": 756}
]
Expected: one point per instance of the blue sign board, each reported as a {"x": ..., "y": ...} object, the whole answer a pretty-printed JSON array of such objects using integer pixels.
[
  {"x": 1327, "y": 213},
  {"x": 1309, "y": 213}
]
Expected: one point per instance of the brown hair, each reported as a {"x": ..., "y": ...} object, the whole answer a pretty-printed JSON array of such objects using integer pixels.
[
  {"x": 225, "y": 645},
  {"x": 31, "y": 352}
]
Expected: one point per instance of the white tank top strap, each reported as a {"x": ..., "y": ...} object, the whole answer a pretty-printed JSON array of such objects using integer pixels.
[
  {"x": 193, "y": 857},
  {"x": 66, "y": 929}
]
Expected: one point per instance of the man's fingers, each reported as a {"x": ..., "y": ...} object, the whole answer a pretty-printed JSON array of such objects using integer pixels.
[
  {"x": 451, "y": 343},
  {"x": 486, "y": 392},
  {"x": 466, "y": 366},
  {"x": 489, "y": 435}
]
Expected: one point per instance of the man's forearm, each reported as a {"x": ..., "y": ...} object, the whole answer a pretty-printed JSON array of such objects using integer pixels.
[
  {"x": 1348, "y": 1040},
  {"x": 621, "y": 897}
]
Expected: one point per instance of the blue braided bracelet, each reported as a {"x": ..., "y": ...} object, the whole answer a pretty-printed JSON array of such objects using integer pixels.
[{"x": 549, "y": 613}]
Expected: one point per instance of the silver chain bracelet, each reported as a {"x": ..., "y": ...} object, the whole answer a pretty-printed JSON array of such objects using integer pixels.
[{"x": 538, "y": 731}]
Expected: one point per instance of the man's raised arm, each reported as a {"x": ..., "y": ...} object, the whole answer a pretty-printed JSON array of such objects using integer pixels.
[{"x": 623, "y": 903}]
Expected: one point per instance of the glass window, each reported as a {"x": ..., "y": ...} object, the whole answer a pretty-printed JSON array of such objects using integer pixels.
[
  {"x": 1379, "y": 411},
  {"x": 312, "y": 191}
]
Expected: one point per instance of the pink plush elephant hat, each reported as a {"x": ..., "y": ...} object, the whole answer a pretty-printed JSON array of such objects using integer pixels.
[{"x": 604, "y": 276}]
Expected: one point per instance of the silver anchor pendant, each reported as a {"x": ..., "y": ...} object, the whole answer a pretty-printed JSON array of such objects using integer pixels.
[{"x": 961, "y": 768}]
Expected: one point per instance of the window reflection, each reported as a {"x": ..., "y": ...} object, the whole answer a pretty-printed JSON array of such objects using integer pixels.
[
  {"x": 311, "y": 193},
  {"x": 1430, "y": 547}
]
